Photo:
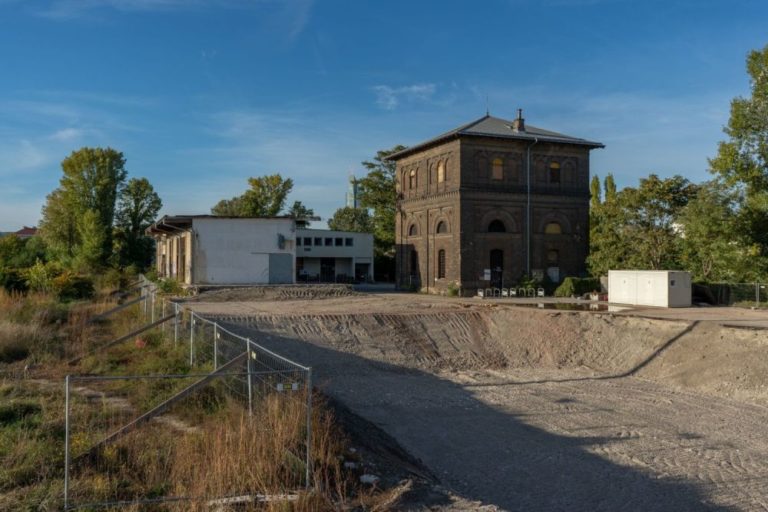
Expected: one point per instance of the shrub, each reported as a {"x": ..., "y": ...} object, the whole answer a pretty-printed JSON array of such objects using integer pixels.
[
  {"x": 40, "y": 276},
  {"x": 13, "y": 350},
  {"x": 169, "y": 286},
  {"x": 577, "y": 286},
  {"x": 17, "y": 411},
  {"x": 453, "y": 289},
  {"x": 70, "y": 286},
  {"x": 13, "y": 281}
]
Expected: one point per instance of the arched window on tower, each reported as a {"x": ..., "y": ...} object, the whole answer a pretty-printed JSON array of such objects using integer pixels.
[
  {"x": 553, "y": 228},
  {"x": 412, "y": 182},
  {"x": 413, "y": 230},
  {"x": 441, "y": 171},
  {"x": 442, "y": 227},
  {"x": 497, "y": 169},
  {"x": 554, "y": 172},
  {"x": 496, "y": 226}
]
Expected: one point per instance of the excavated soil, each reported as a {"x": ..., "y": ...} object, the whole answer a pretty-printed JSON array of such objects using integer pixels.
[{"x": 527, "y": 409}]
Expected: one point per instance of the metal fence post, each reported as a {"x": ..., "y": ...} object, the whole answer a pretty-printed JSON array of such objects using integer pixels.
[
  {"x": 215, "y": 346},
  {"x": 191, "y": 339},
  {"x": 175, "y": 323},
  {"x": 250, "y": 383},
  {"x": 66, "y": 443},
  {"x": 309, "y": 429},
  {"x": 162, "y": 327},
  {"x": 757, "y": 295},
  {"x": 152, "y": 305}
]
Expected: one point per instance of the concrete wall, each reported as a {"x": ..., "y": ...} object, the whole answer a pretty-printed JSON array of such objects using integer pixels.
[
  {"x": 237, "y": 251},
  {"x": 661, "y": 288}
]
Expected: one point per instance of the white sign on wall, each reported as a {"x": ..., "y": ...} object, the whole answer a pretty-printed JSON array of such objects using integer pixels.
[{"x": 487, "y": 274}]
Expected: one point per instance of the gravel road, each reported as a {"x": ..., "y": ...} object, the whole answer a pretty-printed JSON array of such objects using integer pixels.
[{"x": 543, "y": 439}]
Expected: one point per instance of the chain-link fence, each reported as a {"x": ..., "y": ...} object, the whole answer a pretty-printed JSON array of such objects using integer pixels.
[
  {"x": 742, "y": 294},
  {"x": 233, "y": 426}
]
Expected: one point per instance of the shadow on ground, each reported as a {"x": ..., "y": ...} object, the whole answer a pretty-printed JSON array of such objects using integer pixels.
[{"x": 480, "y": 452}]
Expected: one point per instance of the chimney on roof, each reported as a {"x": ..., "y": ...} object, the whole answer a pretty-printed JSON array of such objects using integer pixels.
[{"x": 519, "y": 124}]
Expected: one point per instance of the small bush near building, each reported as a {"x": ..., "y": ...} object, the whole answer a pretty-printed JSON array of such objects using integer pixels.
[{"x": 577, "y": 286}]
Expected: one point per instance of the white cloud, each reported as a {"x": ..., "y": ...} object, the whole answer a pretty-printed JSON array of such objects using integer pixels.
[
  {"x": 67, "y": 134},
  {"x": 390, "y": 98}
]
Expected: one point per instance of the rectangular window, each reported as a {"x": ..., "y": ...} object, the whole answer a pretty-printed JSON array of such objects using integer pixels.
[
  {"x": 328, "y": 242},
  {"x": 318, "y": 241},
  {"x": 298, "y": 241},
  {"x": 441, "y": 264},
  {"x": 348, "y": 242},
  {"x": 307, "y": 241},
  {"x": 339, "y": 242}
]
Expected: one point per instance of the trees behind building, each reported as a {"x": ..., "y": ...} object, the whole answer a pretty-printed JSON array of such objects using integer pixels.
[
  {"x": 94, "y": 218},
  {"x": 717, "y": 229}
]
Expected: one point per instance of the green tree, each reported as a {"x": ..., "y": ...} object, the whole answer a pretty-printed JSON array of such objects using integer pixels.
[
  {"x": 265, "y": 198},
  {"x": 377, "y": 192},
  {"x": 595, "y": 197},
  {"x": 18, "y": 253},
  {"x": 709, "y": 246},
  {"x": 351, "y": 219},
  {"x": 90, "y": 253},
  {"x": 742, "y": 160},
  {"x": 610, "y": 188},
  {"x": 228, "y": 207},
  {"x": 607, "y": 250},
  {"x": 301, "y": 214},
  {"x": 91, "y": 181},
  {"x": 650, "y": 230},
  {"x": 137, "y": 208},
  {"x": 636, "y": 227},
  {"x": 58, "y": 226}
]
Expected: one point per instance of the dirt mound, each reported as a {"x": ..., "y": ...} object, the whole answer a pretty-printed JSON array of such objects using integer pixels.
[
  {"x": 272, "y": 293},
  {"x": 705, "y": 356}
]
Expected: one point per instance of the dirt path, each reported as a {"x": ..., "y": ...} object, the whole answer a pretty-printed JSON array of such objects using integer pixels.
[{"x": 521, "y": 410}]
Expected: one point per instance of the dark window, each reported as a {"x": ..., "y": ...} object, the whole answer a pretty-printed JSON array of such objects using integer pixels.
[
  {"x": 552, "y": 257},
  {"x": 307, "y": 241},
  {"x": 328, "y": 242},
  {"x": 339, "y": 242},
  {"x": 554, "y": 172},
  {"x": 441, "y": 264},
  {"x": 497, "y": 169},
  {"x": 318, "y": 241},
  {"x": 442, "y": 227},
  {"x": 413, "y": 230},
  {"x": 348, "y": 242},
  {"x": 298, "y": 241},
  {"x": 496, "y": 226}
]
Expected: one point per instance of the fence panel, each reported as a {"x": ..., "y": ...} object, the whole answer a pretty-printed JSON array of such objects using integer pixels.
[{"x": 203, "y": 435}]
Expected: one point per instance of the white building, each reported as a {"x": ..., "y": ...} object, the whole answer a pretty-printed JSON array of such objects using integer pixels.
[
  {"x": 333, "y": 256},
  {"x": 213, "y": 250},
  {"x": 662, "y": 288}
]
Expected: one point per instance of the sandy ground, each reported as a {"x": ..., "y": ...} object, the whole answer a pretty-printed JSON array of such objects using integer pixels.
[{"x": 534, "y": 410}]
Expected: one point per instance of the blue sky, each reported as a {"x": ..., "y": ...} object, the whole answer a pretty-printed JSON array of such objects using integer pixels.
[{"x": 201, "y": 94}]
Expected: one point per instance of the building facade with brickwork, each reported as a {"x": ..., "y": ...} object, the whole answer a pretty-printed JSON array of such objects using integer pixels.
[{"x": 491, "y": 202}]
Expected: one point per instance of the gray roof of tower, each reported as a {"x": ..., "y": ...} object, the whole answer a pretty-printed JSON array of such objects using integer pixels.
[{"x": 495, "y": 127}]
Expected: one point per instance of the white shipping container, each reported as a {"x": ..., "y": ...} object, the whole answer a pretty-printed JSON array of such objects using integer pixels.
[{"x": 661, "y": 288}]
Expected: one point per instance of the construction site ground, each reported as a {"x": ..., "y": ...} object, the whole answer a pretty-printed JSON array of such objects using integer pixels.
[{"x": 532, "y": 409}]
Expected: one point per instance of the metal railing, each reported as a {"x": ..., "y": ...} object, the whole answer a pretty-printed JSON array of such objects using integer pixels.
[
  {"x": 109, "y": 418},
  {"x": 748, "y": 294}
]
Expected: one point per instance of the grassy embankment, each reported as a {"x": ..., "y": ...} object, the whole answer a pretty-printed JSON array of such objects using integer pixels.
[{"x": 207, "y": 446}]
